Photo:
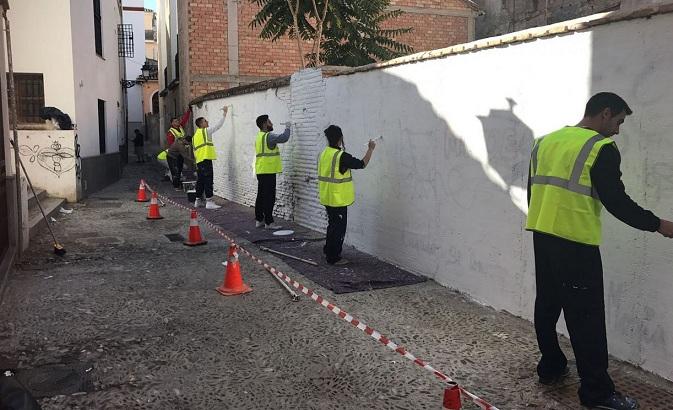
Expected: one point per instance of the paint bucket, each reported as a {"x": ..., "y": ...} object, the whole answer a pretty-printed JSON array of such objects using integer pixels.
[{"x": 189, "y": 186}]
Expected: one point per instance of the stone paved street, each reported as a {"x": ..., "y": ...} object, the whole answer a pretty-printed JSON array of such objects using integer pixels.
[{"x": 128, "y": 319}]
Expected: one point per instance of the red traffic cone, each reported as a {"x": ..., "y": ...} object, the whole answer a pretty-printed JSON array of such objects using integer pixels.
[
  {"x": 154, "y": 208},
  {"x": 142, "y": 194},
  {"x": 452, "y": 398},
  {"x": 195, "y": 238},
  {"x": 233, "y": 282}
]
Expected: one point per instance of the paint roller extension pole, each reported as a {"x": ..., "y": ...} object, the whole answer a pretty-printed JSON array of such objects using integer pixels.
[
  {"x": 58, "y": 248},
  {"x": 310, "y": 262}
]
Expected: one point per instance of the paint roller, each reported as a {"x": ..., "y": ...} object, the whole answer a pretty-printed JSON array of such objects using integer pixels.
[{"x": 379, "y": 138}]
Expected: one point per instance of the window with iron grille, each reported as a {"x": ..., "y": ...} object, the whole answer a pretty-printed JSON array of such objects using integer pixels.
[
  {"x": 98, "y": 31},
  {"x": 29, "y": 97},
  {"x": 150, "y": 35},
  {"x": 125, "y": 40}
]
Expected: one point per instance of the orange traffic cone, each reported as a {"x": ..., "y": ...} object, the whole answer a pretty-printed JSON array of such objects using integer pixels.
[
  {"x": 195, "y": 238},
  {"x": 233, "y": 282},
  {"x": 142, "y": 195},
  {"x": 452, "y": 398},
  {"x": 154, "y": 208}
]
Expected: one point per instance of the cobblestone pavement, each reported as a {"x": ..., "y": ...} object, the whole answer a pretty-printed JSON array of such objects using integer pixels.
[{"x": 128, "y": 319}]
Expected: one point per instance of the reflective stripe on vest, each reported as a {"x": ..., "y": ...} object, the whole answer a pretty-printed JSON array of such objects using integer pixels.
[
  {"x": 563, "y": 200},
  {"x": 177, "y": 133},
  {"x": 336, "y": 189},
  {"x": 267, "y": 161},
  {"x": 203, "y": 146}
]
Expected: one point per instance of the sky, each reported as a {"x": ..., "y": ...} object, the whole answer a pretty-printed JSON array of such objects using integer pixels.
[{"x": 151, "y": 4}]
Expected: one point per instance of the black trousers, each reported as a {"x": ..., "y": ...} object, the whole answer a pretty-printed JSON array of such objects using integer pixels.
[
  {"x": 337, "y": 220},
  {"x": 204, "y": 180},
  {"x": 569, "y": 277},
  {"x": 175, "y": 165},
  {"x": 266, "y": 198}
]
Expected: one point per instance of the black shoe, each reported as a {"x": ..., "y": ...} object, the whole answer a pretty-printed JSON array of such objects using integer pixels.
[
  {"x": 551, "y": 380},
  {"x": 616, "y": 401}
]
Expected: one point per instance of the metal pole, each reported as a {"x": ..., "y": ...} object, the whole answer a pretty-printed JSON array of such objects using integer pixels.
[
  {"x": 15, "y": 135},
  {"x": 310, "y": 262}
]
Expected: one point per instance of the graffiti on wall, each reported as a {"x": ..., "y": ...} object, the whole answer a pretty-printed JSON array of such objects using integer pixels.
[{"x": 55, "y": 158}]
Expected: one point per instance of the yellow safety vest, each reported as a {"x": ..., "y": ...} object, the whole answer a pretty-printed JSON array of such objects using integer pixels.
[
  {"x": 177, "y": 133},
  {"x": 563, "y": 201},
  {"x": 163, "y": 155},
  {"x": 203, "y": 146},
  {"x": 267, "y": 161},
  {"x": 336, "y": 189}
]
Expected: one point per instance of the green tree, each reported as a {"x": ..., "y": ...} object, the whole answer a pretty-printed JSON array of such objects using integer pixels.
[{"x": 343, "y": 32}]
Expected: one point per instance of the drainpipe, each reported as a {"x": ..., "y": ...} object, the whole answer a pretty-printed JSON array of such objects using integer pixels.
[{"x": 15, "y": 135}]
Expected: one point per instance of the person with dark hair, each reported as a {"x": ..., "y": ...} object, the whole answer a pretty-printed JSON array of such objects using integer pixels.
[
  {"x": 337, "y": 191},
  {"x": 204, "y": 155},
  {"x": 267, "y": 164},
  {"x": 139, "y": 145},
  {"x": 574, "y": 172},
  {"x": 176, "y": 146}
]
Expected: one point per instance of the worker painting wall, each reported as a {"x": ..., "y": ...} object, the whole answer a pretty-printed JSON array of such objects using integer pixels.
[
  {"x": 445, "y": 192},
  {"x": 234, "y": 168}
]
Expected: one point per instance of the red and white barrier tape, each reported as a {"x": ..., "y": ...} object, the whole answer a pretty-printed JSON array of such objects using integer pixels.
[{"x": 483, "y": 404}]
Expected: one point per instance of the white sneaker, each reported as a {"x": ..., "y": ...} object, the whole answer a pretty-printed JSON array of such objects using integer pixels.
[
  {"x": 198, "y": 203},
  {"x": 210, "y": 204},
  {"x": 259, "y": 224},
  {"x": 272, "y": 226}
]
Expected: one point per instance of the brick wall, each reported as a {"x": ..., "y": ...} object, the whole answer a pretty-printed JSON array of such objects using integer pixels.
[
  {"x": 204, "y": 23},
  {"x": 208, "y": 52},
  {"x": 431, "y": 31},
  {"x": 432, "y": 4},
  {"x": 264, "y": 58}
]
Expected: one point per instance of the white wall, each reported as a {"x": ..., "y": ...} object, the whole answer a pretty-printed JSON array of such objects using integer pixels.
[
  {"x": 42, "y": 43},
  {"x": 96, "y": 77},
  {"x": 50, "y": 158},
  {"x": 444, "y": 194},
  {"x": 134, "y": 65}
]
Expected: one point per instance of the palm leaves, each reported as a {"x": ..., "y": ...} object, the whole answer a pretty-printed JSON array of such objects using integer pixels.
[{"x": 351, "y": 30}]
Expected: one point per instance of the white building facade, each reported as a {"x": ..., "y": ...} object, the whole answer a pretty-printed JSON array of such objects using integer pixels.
[
  {"x": 66, "y": 55},
  {"x": 134, "y": 15}
]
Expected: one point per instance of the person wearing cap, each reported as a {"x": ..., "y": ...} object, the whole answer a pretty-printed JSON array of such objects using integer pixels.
[
  {"x": 267, "y": 164},
  {"x": 204, "y": 155},
  {"x": 574, "y": 173},
  {"x": 337, "y": 190}
]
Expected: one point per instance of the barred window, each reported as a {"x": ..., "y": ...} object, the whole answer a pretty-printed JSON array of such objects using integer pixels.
[{"x": 29, "y": 97}]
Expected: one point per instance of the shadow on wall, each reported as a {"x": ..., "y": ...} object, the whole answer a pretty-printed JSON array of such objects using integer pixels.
[{"x": 433, "y": 202}]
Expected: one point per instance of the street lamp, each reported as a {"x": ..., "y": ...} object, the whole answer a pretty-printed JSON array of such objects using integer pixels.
[{"x": 144, "y": 76}]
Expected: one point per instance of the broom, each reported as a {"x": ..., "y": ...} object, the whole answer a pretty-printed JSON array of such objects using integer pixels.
[{"x": 58, "y": 248}]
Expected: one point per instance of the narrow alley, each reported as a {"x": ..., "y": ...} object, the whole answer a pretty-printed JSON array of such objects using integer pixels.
[{"x": 129, "y": 319}]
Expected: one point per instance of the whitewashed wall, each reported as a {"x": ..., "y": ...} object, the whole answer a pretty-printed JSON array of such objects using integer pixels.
[
  {"x": 37, "y": 26},
  {"x": 96, "y": 77},
  {"x": 134, "y": 65},
  {"x": 51, "y": 160},
  {"x": 444, "y": 194}
]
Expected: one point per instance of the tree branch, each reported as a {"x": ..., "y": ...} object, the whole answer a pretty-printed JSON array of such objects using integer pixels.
[{"x": 295, "y": 13}]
